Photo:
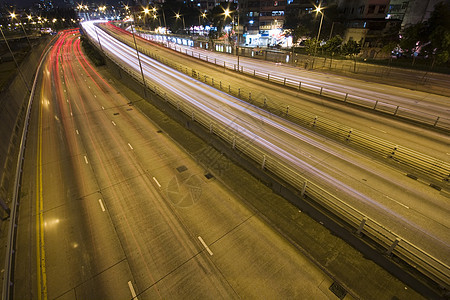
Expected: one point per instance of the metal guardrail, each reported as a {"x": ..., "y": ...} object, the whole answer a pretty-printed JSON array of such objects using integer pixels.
[
  {"x": 431, "y": 167},
  {"x": 376, "y": 105},
  {"x": 11, "y": 242},
  {"x": 270, "y": 161}
]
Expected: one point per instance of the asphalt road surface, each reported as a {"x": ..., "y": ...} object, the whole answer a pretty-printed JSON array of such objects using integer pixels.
[
  {"x": 409, "y": 208},
  {"x": 421, "y": 101},
  {"x": 117, "y": 211}
]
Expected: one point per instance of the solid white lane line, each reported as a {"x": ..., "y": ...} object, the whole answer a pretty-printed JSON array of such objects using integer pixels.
[
  {"x": 133, "y": 292},
  {"x": 378, "y": 129},
  {"x": 204, "y": 245},
  {"x": 113, "y": 123},
  {"x": 101, "y": 204},
  {"x": 129, "y": 145},
  {"x": 85, "y": 159},
  {"x": 405, "y": 206},
  {"x": 77, "y": 131},
  {"x": 157, "y": 182}
]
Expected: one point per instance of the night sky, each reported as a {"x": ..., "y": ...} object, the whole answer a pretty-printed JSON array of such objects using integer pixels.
[{"x": 60, "y": 3}]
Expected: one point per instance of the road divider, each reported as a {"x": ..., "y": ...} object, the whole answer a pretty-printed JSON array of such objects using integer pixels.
[
  {"x": 413, "y": 161},
  {"x": 279, "y": 164}
]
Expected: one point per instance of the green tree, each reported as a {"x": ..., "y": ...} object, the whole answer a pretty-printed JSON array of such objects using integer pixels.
[
  {"x": 310, "y": 46},
  {"x": 299, "y": 32},
  {"x": 352, "y": 49},
  {"x": 413, "y": 36},
  {"x": 333, "y": 47},
  {"x": 439, "y": 29},
  {"x": 431, "y": 37}
]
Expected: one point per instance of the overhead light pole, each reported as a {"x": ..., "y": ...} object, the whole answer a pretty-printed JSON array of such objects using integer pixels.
[
  {"x": 14, "y": 58},
  {"x": 137, "y": 53},
  {"x": 178, "y": 16},
  {"x": 318, "y": 10},
  {"x": 13, "y": 16}
]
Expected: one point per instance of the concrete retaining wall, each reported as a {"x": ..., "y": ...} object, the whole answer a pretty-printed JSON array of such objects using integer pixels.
[{"x": 13, "y": 102}]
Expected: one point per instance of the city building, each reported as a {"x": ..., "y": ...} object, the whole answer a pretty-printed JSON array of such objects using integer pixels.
[
  {"x": 366, "y": 22},
  {"x": 411, "y": 12},
  {"x": 263, "y": 21}
]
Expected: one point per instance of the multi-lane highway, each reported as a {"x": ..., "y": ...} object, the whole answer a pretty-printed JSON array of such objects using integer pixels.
[
  {"x": 417, "y": 100},
  {"x": 409, "y": 208},
  {"x": 115, "y": 210},
  {"x": 404, "y": 134}
]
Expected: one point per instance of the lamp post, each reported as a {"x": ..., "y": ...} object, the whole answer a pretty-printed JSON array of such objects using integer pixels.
[
  {"x": 238, "y": 37},
  {"x": 13, "y": 16},
  {"x": 203, "y": 15},
  {"x": 146, "y": 12},
  {"x": 178, "y": 16},
  {"x": 14, "y": 58},
  {"x": 156, "y": 16},
  {"x": 137, "y": 53},
  {"x": 318, "y": 10}
]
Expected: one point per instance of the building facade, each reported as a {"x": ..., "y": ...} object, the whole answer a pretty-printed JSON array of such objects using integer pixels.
[{"x": 411, "y": 12}]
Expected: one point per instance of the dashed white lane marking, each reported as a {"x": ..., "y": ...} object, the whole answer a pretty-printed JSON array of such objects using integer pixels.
[
  {"x": 67, "y": 100},
  {"x": 77, "y": 131},
  {"x": 405, "y": 206},
  {"x": 103, "y": 107},
  {"x": 71, "y": 113},
  {"x": 157, "y": 182},
  {"x": 101, "y": 204},
  {"x": 85, "y": 159},
  {"x": 204, "y": 245},
  {"x": 133, "y": 292},
  {"x": 95, "y": 96},
  {"x": 113, "y": 123},
  {"x": 129, "y": 145},
  {"x": 378, "y": 129}
]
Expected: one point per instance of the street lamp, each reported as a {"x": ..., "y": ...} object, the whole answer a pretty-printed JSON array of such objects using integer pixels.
[
  {"x": 137, "y": 53},
  {"x": 203, "y": 15},
  {"x": 184, "y": 25},
  {"x": 318, "y": 10},
  {"x": 14, "y": 58},
  {"x": 146, "y": 12},
  {"x": 13, "y": 16}
]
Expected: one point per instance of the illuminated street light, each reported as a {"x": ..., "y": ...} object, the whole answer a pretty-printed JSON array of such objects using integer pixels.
[
  {"x": 178, "y": 16},
  {"x": 133, "y": 25},
  {"x": 227, "y": 13},
  {"x": 146, "y": 12},
  {"x": 317, "y": 10},
  {"x": 13, "y": 16}
]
